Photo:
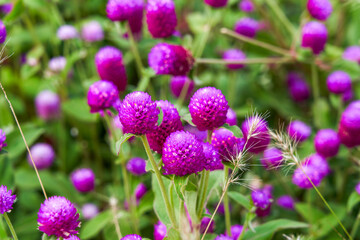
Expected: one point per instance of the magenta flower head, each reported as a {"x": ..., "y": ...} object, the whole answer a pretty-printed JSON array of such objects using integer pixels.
[
  {"x": 101, "y": 95},
  {"x": 234, "y": 55},
  {"x": 208, "y": 108},
  {"x": 123, "y": 10},
  {"x": 2, "y": 32},
  {"x": 212, "y": 157},
  {"x": 138, "y": 113},
  {"x": 72, "y": 237},
  {"x": 89, "y": 211},
  {"x": 6, "y": 199},
  {"x": 319, "y": 9},
  {"x": 177, "y": 83},
  {"x": 286, "y": 202},
  {"x": 357, "y": 188},
  {"x": 160, "y": 231},
  {"x": 168, "y": 59},
  {"x": 92, "y": 32},
  {"x": 314, "y": 36},
  {"x": 171, "y": 123},
  {"x": 57, "y": 64},
  {"x": 216, "y": 3},
  {"x": 255, "y": 131},
  {"x": 349, "y": 139},
  {"x": 200, "y": 135},
  {"x": 83, "y": 179},
  {"x": 352, "y": 53},
  {"x": 236, "y": 231},
  {"x": 43, "y": 155},
  {"x": 226, "y": 144},
  {"x": 298, "y": 87},
  {"x": 231, "y": 118},
  {"x": 183, "y": 154},
  {"x": 350, "y": 119},
  {"x": 261, "y": 198},
  {"x": 66, "y": 32},
  {"x": 272, "y": 158},
  {"x": 299, "y": 131},
  {"x": 327, "y": 143},
  {"x": 223, "y": 237},
  {"x": 161, "y": 18},
  {"x": 301, "y": 180},
  {"x": 6, "y": 8},
  {"x": 110, "y": 66},
  {"x": 132, "y": 237},
  {"x": 247, "y": 26},
  {"x": 204, "y": 223},
  {"x": 58, "y": 216},
  {"x": 246, "y": 6},
  {"x": 140, "y": 191},
  {"x": 136, "y": 166},
  {"x": 47, "y": 105},
  {"x": 347, "y": 96},
  {"x": 319, "y": 163},
  {"x": 2, "y": 139},
  {"x": 338, "y": 82}
]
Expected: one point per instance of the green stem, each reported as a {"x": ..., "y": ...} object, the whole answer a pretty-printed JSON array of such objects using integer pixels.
[
  {"x": 226, "y": 204},
  {"x": 315, "y": 82},
  {"x": 135, "y": 51},
  {"x": 281, "y": 16},
  {"x": 271, "y": 60},
  {"x": 169, "y": 209},
  {"x": 245, "y": 226},
  {"x": 355, "y": 227},
  {"x": 12, "y": 230},
  {"x": 183, "y": 94}
]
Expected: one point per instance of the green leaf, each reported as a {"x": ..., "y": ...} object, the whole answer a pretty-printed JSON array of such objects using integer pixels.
[
  {"x": 240, "y": 199},
  {"x": 160, "y": 116},
  {"x": 78, "y": 109},
  {"x": 329, "y": 222},
  {"x": 267, "y": 230},
  {"x": 352, "y": 201},
  {"x": 190, "y": 201},
  {"x": 15, "y": 12},
  {"x": 321, "y": 111},
  {"x": 180, "y": 184},
  {"x": 216, "y": 180},
  {"x": 235, "y": 130},
  {"x": 95, "y": 225},
  {"x": 159, "y": 204},
  {"x": 308, "y": 212},
  {"x": 172, "y": 234},
  {"x": 124, "y": 138}
]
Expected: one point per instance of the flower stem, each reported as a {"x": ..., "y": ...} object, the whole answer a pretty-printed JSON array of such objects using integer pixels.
[
  {"x": 226, "y": 204},
  {"x": 12, "y": 230},
  {"x": 246, "y": 223},
  {"x": 183, "y": 94},
  {"x": 169, "y": 209},
  {"x": 356, "y": 225},
  {"x": 135, "y": 51},
  {"x": 271, "y": 60},
  {"x": 256, "y": 42},
  {"x": 315, "y": 81}
]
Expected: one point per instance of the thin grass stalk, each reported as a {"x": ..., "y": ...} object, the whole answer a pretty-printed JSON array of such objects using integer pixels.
[
  {"x": 11, "y": 227},
  {"x": 113, "y": 204},
  {"x": 271, "y": 60}
]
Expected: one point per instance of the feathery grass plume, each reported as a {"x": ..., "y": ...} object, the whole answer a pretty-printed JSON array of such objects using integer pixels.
[
  {"x": 239, "y": 162},
  {"x": 2, "y": 51}
]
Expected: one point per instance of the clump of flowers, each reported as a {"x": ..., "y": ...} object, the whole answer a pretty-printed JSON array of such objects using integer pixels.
[
  {"x": 319, "y": 9},
  {"x": 83, "y": 179},
  {"x": 178, "y": 83},
  {"x": 314, "y": 36},
  {"x": 43, "y": 155},
  {"x": 226, "y": 144},
  {"x": 136, "y": 166},
  {"x": 339, "y": 82},
  {"x": 57, "y": 64},
  {"x": 47, "y": 105},
  {"x": 247, "y": 26},
  {"x": 272, "y": 158},
  {"x": 327, "y": 142},
  {"x": 102, "y": 95},
  {"x": 161, "y": 18},
  {"x": 7, "y": 199},
  {"x": 299, "y": 131},
  {"x": 286, "y": 201},
  {"x": 92, "y": 32},
  {"x": 132, "y": 237},
  {"x": 256, "y": 133},
  {"x": 66, "y": 32},
  {"x": 352, "y": 53},
  {"x": 212, "y": 158},
  {"x": 233, "y": 55},
  {"x": 246, "y": 6}
]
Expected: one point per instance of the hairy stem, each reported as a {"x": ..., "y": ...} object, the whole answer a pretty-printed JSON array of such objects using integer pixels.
[{"x": 12, "y": 230}]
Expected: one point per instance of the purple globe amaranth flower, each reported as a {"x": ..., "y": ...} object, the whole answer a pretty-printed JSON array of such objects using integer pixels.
[
  {"x": 2, "y": 139},
  {"x": 357, "y": 188},
  {"x": 171, "y": 123},
  {"x": 208, "y": 108},
  {"x": 300, "y": 178},
  {"x": 223, "y": 237},
  {"x": 6, "y": 8},
  {"x": 319, "y": 9},
  {"x": 43, "y": 155},
  {"x": 72, "y": 237},
  {"x": 352, "y": 53},
  {"x": 177, "y": 83},
  {"x": 212, "y": 157},
  {"x": 299, "y": 131},
  {"x": 298, "y": 87},
  {"x": 138, "y": 113},
  {"x": 261, "y": 198},
  {"x": 204, "y": 223},
  {"x": 286, "y": 202},
  {"x": 231, "y": 118},
  {"x": 216, "y": 3},
  {"x": 6, "y": 199},
  {"x": 200, "y": 135},
  {"x": 66, "y": 32},
  {"x": 234, "y": 55},
  {"x": 160, "y": 231},
  {"x": 327, "y": 142},
  {"x": 169, "y": 59},
  {"x": 161, "y": 18},
  {"x": 47, "y": 105},
  {"x": 102, "y": 95},
  {"x": 247, "y": 26},
  {"x": 272, "y": 158},
  {"x": 314, "y": 36},
  {"x": 89, "y": 211},
  {"x": 140, "y": 191},
  {"x": 319, "y": 163},
  {"x": 123, "y": 10},
  {"x": 57, "y": 64},
  {"x": 256, "y": 133},
  {"x": 246, "y": 6},
  {"x": 58, "y": 216},
  {"x": 2, "y": 32},
  {"x": 349, "y": 139},
  {"x": 350, "y": 120},
  {"x": 110, "y": 66},
  {"x": 132, "y": 237},
  {"x": 183, "y": 154},
  {"x": 83, "y": 179},
  {"x": 92, "y": 32},
  {"x": 226, "y": 144},
  {"x": 263, "y": 212},
  {"x": 136, "y": 166},
  {"x": 347, "y": 96},
  {"x": 236, "y": 231},
  {"x": 338, "y": 82}
]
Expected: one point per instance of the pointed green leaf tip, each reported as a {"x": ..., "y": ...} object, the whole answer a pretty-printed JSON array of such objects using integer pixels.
[{"x": 122, "y": 140}]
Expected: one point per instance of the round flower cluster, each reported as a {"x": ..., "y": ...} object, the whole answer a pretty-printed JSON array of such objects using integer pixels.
[
  {"x": 6, "y": 199},
  {"x": 314, "y": 36},
  {"x": 178, "y": 83},
  {"x": 349, "y": 127},
  {"x": 2, "y": 32},
  {"x": 352, "y": 53},
  {"x": 339, "y": 82},
  {"x": 47, "y": 105},
  {"x": 101, "y": 95},
  {"x": 247, "y": 26},
  {"x": 226, "y": 144},
  {"x": 233, "y": 55},
  {"x": 256, "y": 134},
  {"x": 136, "y": 166},
  {"x": 66, "y": 32},
  {"x": 92, "y": 32},
  {"x": 43, "y": 155},
  {"x": 299, "y": 131},
  {"x": 216, "y": 3},
  {"x": 161, "y": 18},
  {"x": 272, "y": 158},
  {"x": 298, "y": 87},
  {"x": 83, "y": 179},
  {"x": 319, "y": 9},
  {"x": 2, "y": 139}
]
